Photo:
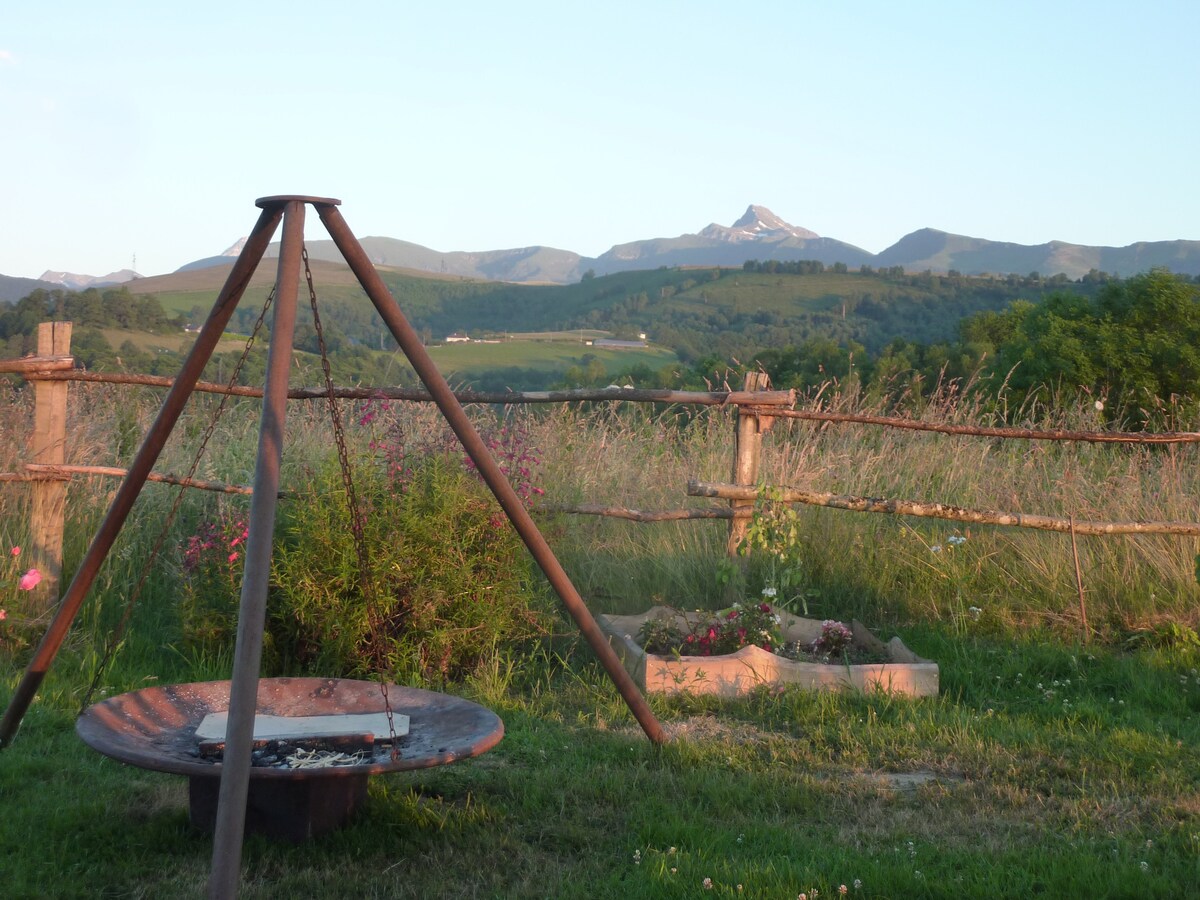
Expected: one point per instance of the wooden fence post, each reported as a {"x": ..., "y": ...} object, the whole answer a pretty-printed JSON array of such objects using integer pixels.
[
  {"x": 748, "y": 432},
  {"x": 47, "y": 446}
]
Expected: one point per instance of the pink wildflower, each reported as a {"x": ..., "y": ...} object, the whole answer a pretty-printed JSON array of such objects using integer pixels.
[
  {"x": 16, "y": 551},
  {"x": 3, "y": 614},
  {"x": 30, "y": 580},
  {"x": 233, "y": 556}
]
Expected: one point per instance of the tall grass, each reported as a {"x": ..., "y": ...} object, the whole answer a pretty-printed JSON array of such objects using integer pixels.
[{"x": 886, "y": 570}]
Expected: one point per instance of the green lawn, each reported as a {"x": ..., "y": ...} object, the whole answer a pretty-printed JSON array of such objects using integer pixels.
[{"x": 1041, "y": 770}]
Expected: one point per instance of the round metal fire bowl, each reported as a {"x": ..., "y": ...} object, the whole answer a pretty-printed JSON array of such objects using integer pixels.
[{"x": 154, "y": 728}]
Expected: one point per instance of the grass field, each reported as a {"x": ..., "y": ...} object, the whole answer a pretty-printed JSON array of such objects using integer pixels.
[
  {"x": 1048, "y": 766},
  {"x": 464, "y": 359},
  {"x": 757, "y": 292}
]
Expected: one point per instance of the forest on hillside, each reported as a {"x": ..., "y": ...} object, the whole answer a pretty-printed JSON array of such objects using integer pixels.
[{"x": 1130, "y": 341}]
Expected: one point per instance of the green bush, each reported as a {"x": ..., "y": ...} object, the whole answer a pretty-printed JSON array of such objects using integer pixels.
[{"x": 448, "y": 579}]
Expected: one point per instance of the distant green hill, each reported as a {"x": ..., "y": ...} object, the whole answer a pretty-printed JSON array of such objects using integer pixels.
[{"x": 693, "y": 312}]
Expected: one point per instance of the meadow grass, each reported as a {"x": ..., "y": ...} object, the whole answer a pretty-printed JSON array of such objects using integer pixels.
[
  {"x": 1045, "y": 767},
  {"x": 464, "y": 359}
]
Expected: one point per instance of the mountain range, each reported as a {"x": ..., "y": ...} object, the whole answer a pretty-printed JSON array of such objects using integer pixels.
[
  {"x": 757, "y": 234},
  {"x": 760, "y": 234}
]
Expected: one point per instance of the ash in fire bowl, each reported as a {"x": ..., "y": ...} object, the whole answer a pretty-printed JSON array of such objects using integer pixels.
[
  {"x": 297, "y": 755},
  {"x": 307, "y": 742},
  {"x": 163, "y": 728}
]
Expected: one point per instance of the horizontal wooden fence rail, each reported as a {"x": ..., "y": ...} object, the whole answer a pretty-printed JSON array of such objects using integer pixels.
[
  {"x": 634, "y": 395},
  {"x": 643, "y": 515},
  {"x": 1095, "y": 437},
  {"x": 31, "y": 367},
  {"x": 938, "y": 511}
]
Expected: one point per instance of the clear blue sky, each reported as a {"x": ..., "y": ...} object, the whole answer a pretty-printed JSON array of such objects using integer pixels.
[{"x": 150, "y": 128}]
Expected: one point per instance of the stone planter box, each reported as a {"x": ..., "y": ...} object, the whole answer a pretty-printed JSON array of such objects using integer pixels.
[{"x": 752, "y": 667}]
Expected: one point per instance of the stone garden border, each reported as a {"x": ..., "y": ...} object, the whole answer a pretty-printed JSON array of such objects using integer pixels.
[{"x": 752, "y": 667}]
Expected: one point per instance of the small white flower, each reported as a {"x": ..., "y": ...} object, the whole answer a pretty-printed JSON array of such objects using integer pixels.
[
  {"x": 936, "y": 548},
  {"x": 768, "y": 592},
  {"x": 1099, "y": 405}
]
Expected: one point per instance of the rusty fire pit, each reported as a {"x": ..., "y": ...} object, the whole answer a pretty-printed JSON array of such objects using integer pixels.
[{"x": 155, "y": 728}]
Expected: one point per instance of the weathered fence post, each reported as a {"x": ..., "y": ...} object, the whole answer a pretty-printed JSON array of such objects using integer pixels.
[
  {"x": 748, "y": 432},
  {"x": 47, "y": 446}
]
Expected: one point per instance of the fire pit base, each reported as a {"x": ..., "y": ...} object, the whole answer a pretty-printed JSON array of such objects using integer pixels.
[{"x": 287, "y": 810}]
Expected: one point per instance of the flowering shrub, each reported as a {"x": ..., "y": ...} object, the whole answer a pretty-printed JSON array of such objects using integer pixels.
[
  {"x": 448, "y": 581},
  {"x": 402, "y": 445},
  {"x": 212, "y": 581},
  {"x": 725, "y": 632}
]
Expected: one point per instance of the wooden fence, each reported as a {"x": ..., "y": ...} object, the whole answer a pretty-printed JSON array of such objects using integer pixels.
[{"x": 757, "y": 408}]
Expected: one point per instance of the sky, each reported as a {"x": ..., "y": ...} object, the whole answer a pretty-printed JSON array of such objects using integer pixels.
[{"x": 147, "y": 130}]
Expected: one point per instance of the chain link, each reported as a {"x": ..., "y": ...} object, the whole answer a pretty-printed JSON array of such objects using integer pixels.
[{"x": 365, "y": 582}]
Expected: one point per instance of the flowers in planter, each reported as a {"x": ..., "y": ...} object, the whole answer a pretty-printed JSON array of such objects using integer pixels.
[
  {"x": 834, "y": 639},
  {"x": 722, "y": 632}
]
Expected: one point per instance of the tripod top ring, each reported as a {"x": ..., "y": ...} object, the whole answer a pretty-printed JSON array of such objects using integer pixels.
[{"x": 284, "y": 199}]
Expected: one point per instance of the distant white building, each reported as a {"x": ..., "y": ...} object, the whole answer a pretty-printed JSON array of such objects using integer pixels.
[
  {"x": 613, "y": 344},
  {"x": 457, "y": 338}
]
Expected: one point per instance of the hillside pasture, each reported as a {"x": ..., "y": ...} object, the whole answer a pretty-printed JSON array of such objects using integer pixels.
[
  {"x": 749, "y": 292},
  {"x": 463, "y": 360}
]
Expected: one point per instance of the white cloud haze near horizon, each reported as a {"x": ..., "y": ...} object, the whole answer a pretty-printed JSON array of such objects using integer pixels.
[{"x": 150, "y": 130}]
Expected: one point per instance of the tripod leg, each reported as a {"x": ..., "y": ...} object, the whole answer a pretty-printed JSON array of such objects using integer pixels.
[
  {"x": 411, "y": 344},
  {"x": 139, "y": 469},
  {"x": 243, "y": 693}
]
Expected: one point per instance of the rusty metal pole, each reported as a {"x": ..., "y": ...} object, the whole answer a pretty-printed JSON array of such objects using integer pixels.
[
  {"x": 225, "y": 872},
  {"x": 139, "y": 470},
  {"x": 411, "y": 344}
]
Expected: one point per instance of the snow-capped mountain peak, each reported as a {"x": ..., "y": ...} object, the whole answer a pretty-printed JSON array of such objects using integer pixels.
[{"x": 756, "y": 223}]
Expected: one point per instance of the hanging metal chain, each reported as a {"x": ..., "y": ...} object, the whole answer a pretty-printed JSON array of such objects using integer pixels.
[
  {"x": 118, "y": 634},
  {"x": 366, "y": 583}
]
